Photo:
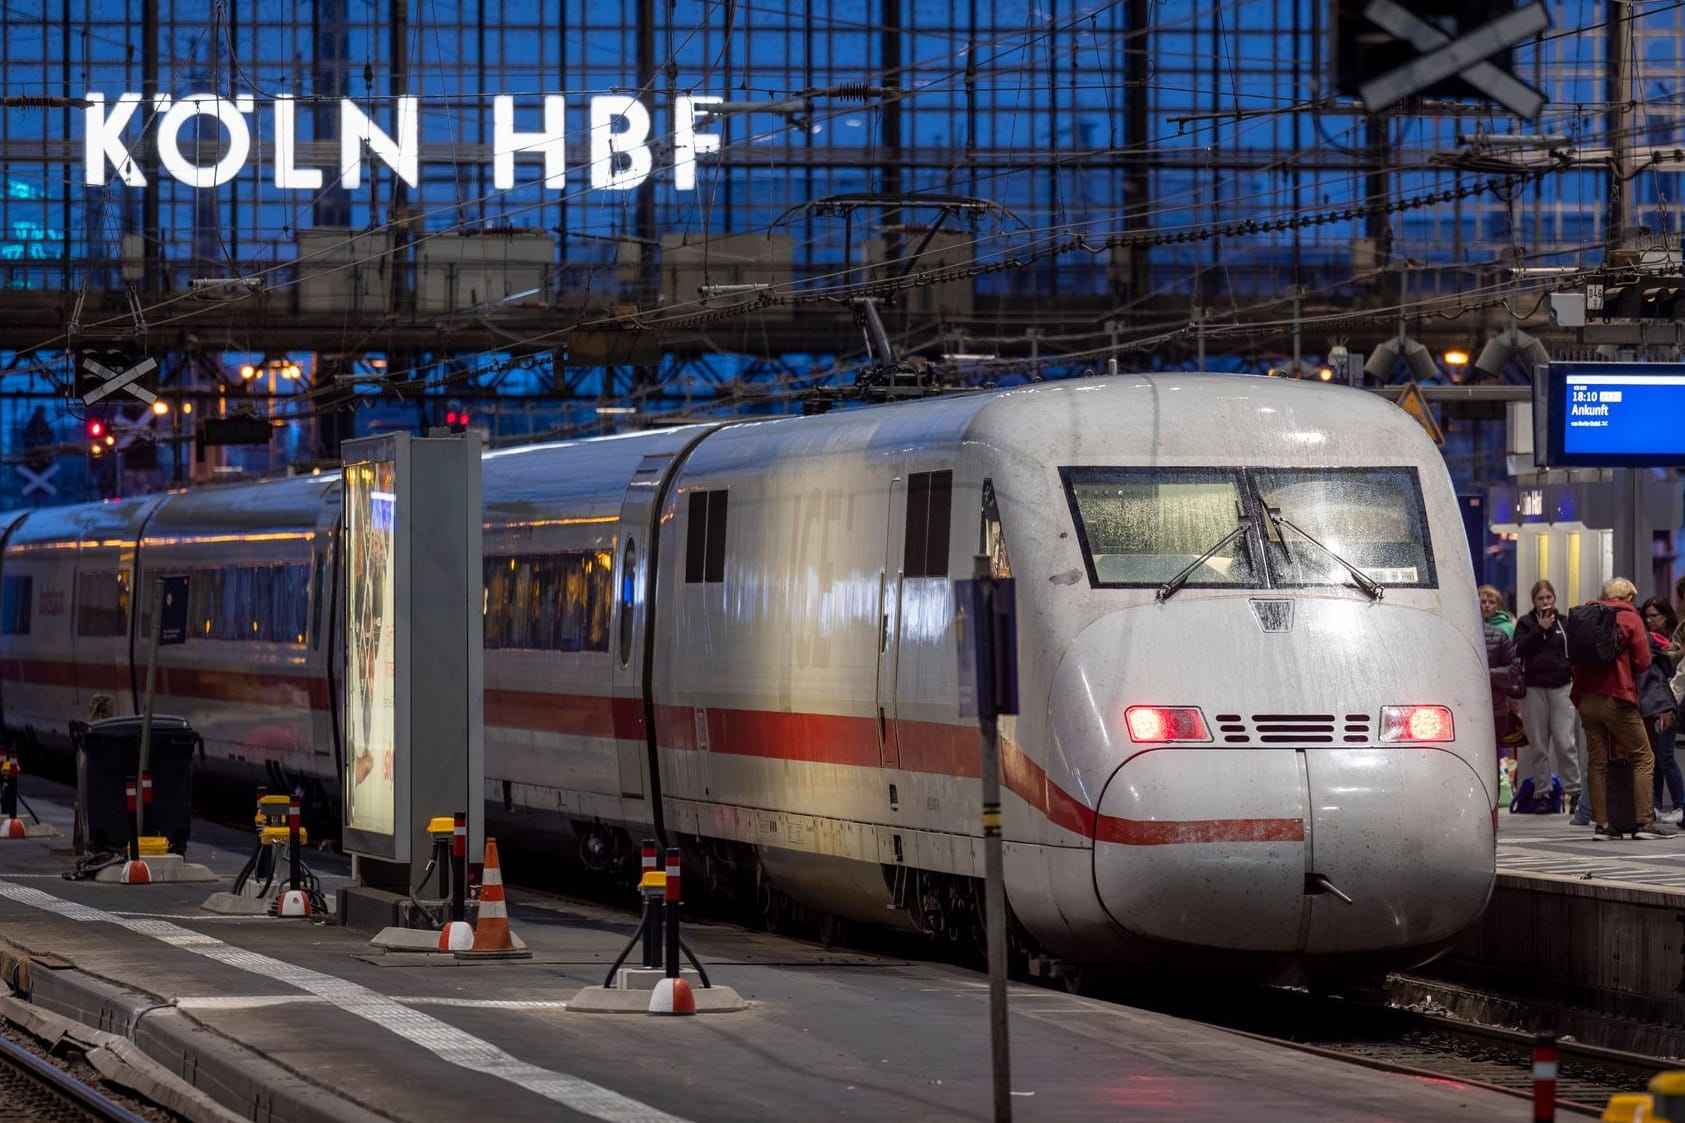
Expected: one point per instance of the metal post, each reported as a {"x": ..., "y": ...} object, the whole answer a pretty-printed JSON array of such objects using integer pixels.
[
  {"x": 1632, "y": 552},
  {"x": 134, "y": 827},
  {"x": 1544, "y": 1077},
  {"x": 459, "y": 867},
  {"x": 1298, "y": 295},
  {"x": 146, "y": 826},
  {"x": 672, "y": 898},
  {"x": 8, "y": 787},
  {"x": 151, "y": 680},
  {"x": 295, "y": 875},
  {"x": 1617, "y": 122},
  {"x": 652, "y": 948},
  {"x": 994, "y": 878}
]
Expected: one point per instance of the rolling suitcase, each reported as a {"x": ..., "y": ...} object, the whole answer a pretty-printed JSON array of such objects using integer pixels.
[{"x": 1618, "y": 798}]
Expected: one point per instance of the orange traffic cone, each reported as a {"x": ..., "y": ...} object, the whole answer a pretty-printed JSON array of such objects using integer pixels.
[{"x": 491, "y": 931}]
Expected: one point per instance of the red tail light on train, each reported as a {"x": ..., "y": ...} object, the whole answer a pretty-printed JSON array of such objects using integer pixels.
[
  {"x": 1160, "y": 724},
  {"x": 1415, "y": 723}
]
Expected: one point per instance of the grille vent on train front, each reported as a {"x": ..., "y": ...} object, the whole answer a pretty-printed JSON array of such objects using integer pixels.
[{"x": 1294, "y": 729}]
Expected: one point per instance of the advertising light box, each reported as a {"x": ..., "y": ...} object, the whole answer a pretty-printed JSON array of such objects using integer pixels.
[
  {"x": 412, "y": 708},
  {"x": 371, "y": 683},
  {"x": 1613, "y": 415}
]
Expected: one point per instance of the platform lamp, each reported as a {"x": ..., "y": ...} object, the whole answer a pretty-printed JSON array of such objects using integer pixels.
[
  {"x": 1509, "y": 344},
  {"x": 1387, "y": 352}
]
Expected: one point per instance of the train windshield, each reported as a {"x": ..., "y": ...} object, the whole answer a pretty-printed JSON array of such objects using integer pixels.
[
  {"x": 1143, "y": 526},
  {"x": 1372, "y": 518}
]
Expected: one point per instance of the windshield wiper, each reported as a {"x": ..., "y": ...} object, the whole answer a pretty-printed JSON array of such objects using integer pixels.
[
  {"x": 1365, "y": 582},
  {"x": 1171, "y": 587}
]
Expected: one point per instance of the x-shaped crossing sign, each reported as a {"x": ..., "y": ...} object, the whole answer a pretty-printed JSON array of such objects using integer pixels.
[
  {"x": 112, "y": 381},
  {"x": 1465, "y": 57},
  {"x": 38, "y": 481}
]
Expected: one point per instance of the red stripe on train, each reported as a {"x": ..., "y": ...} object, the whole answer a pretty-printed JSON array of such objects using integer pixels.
[
  {"x": 1142, "y": 832},
  {"x": 572, "y": 715},
  {"x": 924, "y": 746},
  {"x": 270, "y": 688}
]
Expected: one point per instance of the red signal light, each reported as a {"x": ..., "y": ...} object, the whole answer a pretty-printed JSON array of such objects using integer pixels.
[
  {"x": 1416, "y": 723},
  {"x": 96, "y": 429},
  {"x": 1159, "y": 724}
]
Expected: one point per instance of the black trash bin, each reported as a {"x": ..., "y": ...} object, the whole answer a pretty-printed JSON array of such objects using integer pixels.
[{"x": 108, "y": 753}]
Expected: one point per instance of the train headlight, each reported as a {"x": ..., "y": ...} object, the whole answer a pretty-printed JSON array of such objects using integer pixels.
[
  {"x": 1160, "y": 724},
  {"x": 1415, "y": 723}
]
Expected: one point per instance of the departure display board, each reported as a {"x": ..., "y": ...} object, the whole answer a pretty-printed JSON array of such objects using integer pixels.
[{"x": 1614, "y": 415}]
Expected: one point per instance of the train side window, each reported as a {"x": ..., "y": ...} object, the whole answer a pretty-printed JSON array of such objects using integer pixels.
[
  {"x": 628, "y": 591},
  {"x": 929, "y": 510},
  {"x": 714, "y": 570},
  {"x": 705, "y": 537},
  {"x": 316, "y": 594},
  {"x": 548, "y": 602},
  {"x": 16, "y": 597},
  {"x": 992, "y": 542},
  {"x": 500, "y": 602},
  {"x": 102, "y": 604}
]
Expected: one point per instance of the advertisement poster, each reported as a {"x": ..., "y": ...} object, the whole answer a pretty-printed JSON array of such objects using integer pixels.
[{"x": 370, "y": 672}]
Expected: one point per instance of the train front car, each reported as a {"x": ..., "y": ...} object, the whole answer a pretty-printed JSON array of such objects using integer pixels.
[{"x": 1255, "y": 727}]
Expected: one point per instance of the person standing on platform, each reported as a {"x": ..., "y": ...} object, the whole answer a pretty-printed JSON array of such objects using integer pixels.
[
  {"x": 1607, "y": 698},
  {"x": 1659, "y": 707},
  {"x": 1678, "y": 636},
  {"x": 1492, "y": 610},
  {"x": 1547, "y": 713},
  {"x": 1503, "y": 669}
]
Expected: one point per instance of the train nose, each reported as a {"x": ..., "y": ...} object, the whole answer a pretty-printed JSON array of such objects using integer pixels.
[
  {"x": 1281, "y": 851},
  {"x": 1284, "y": 832}
]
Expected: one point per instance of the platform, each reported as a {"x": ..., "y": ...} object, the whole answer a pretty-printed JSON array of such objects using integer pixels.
[
  {"x": 311, "y": 1024},
  {"x": 1592, "y": 924}
]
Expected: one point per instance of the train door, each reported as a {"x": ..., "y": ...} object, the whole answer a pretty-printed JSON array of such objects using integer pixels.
[
  {"x": 629, "y": 652},
  {"x": 891, "y": 584},
  {"x": 924, "y": 656}
]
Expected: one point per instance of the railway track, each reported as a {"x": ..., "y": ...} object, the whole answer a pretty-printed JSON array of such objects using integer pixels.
[
  {"x": 1385, "y": 1037},
  {"x": 35, "y": 1089}
]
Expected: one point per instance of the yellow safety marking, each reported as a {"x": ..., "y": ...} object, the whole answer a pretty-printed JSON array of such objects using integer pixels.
[
  {"x": 991, "y": 819},
  {"x": 152, "y": 846}
]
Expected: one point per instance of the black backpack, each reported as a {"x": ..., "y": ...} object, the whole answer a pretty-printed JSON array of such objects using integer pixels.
[{"x": 1594, "y": 639}]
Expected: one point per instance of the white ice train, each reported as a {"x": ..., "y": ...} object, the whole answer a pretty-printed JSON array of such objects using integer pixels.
[{"x": 1255, "y": 725}]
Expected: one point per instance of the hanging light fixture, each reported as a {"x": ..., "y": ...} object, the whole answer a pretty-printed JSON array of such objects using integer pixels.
[
  {"x": 1511, "y": 343},
  {"x": 1417, "y": 359}
]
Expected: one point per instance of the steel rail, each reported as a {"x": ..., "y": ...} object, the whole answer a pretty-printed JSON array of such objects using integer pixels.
[{"x": 62, "y": 1083}]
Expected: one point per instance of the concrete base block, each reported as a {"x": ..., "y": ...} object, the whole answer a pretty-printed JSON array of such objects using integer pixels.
[
  {"x": 30, "y": 830},
  {"x": 615, "y": 1000},
  {"x": 645, "y": 978},
  {"x": 248, "y": 904},
  {"x": 163, "y": 868},
  {"x": 237, "y": 904},
  {"x": 422, "y": 939}
]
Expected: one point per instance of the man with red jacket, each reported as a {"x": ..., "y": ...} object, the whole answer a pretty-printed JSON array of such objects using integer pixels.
[{"x": 1607, "y": 699}]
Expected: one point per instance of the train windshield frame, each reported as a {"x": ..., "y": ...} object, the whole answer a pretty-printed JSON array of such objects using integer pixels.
[{"x": 1139, "y": 527}]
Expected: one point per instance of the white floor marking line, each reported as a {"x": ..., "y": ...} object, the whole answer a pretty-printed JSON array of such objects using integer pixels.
[
  {"x": 442, "y": 1040},
  {"x": 259, "y": 1001}
]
